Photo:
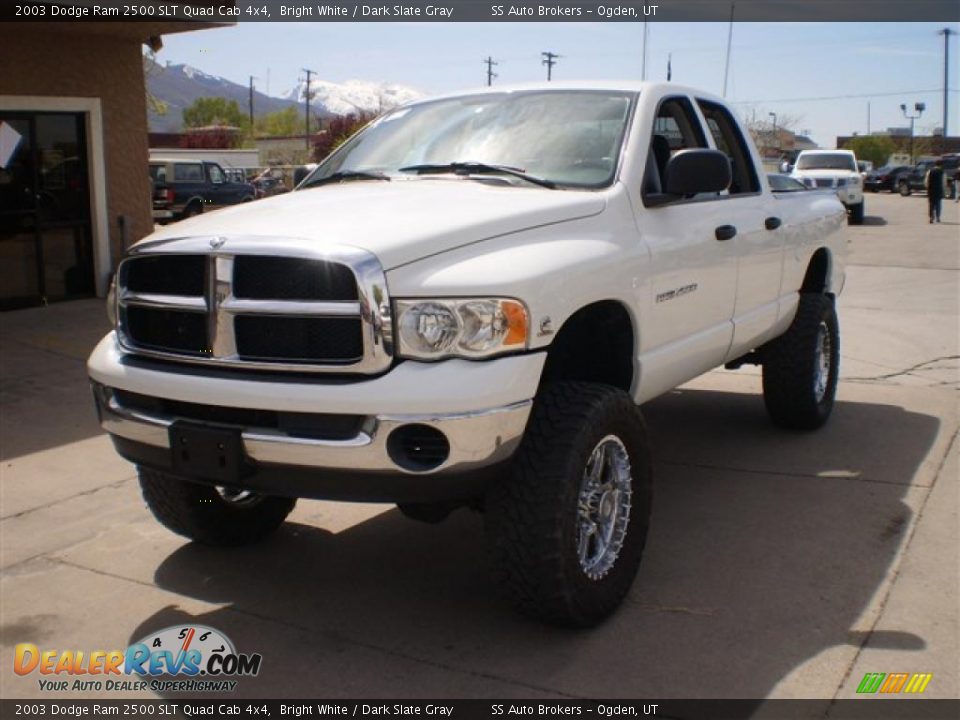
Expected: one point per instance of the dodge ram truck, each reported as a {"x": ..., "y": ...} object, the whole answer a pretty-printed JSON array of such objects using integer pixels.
[{"x": 465, "y": 305}]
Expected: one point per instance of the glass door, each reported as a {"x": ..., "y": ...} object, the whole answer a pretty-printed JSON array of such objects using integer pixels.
[{"x": 46, "y": 247}]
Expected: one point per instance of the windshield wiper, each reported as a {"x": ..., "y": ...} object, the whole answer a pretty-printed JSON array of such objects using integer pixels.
[
  {"x": 346, "y": 175},
  {"x": 476, "y": 168}
]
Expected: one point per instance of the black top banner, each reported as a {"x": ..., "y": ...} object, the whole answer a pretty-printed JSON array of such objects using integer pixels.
[{"x": 227, "y": 11}]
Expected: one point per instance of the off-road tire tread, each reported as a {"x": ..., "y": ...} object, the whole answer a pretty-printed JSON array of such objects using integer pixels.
[
  {"x": 525, "y": 520},
  {"x": 199, "y": 512},
  {"x": 788, "y": 367}
]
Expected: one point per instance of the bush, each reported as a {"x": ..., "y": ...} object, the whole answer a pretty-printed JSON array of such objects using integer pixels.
[{"x": 338, "y": 131}]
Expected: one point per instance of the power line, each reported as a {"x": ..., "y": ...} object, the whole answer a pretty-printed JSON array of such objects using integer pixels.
[
  {"x": 549, "y": 59},
  {"x": 490, "y": 62},
  {"x": 836, "y": 97}
]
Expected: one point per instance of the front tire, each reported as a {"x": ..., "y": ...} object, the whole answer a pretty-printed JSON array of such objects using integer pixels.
[
  {"x": 801, "y": 367},
  {"x": 903, "y": 187},
  {"x": 209, "y": 515},
  {"x": 566, "y": 528}
]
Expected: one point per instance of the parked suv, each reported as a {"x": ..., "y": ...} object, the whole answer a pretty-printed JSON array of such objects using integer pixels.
[
  {"x": 836, "y": 170},
  {"x": 183, "y": 188}
]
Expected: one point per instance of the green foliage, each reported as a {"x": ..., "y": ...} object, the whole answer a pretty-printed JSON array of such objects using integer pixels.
[
  {"x": 280, "y": 124},
  {"x": 875, "y": 148},
  {"x": 207, "y": 111}
]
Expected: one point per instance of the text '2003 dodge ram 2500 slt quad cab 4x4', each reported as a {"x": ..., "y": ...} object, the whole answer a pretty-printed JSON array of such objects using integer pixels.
[{"x": 464, "y": 305}]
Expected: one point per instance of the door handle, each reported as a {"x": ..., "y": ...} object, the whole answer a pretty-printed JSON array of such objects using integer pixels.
[
  {"x": 725, "y": 232},
  {"x": 772, "y": 223}
]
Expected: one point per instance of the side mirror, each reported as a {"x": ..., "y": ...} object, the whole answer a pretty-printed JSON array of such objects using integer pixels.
[{"x": 690, "y": 172}]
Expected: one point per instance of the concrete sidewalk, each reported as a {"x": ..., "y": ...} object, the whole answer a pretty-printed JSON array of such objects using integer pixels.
[{"x": 779, "y": 565}]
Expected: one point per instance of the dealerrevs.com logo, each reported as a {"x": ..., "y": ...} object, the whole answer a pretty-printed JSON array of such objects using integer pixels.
[{"x": 193, "y": 658}]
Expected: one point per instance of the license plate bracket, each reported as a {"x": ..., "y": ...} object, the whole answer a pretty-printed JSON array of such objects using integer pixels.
[{"x": 206, "y": 452}]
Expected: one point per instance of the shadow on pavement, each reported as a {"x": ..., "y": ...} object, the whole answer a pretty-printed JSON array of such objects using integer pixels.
[
  {"x": 874, "y": 220},
  {"x": 45, "y": 398},
  {"x": 765, "y": 549}
]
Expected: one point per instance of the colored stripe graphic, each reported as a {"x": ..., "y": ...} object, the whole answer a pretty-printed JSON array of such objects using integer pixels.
[
  {"x": 918, "y": 683},
  {"x": 871, "y": 682},
  {"x": 892, "y": 683}
]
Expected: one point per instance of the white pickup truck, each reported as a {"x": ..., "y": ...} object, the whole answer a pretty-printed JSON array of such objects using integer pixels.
[
  {"x": 836, "y": 170},
  {"x": 465, "y": 305}
]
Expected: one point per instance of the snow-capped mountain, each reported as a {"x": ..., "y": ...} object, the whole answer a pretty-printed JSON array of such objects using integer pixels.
[
  {"x": 178, "y": 86},
  {"x": 353, "y": 95}
]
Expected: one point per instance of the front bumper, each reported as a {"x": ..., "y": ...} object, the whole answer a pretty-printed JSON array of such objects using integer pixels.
[{"x": 362, "y": 466}]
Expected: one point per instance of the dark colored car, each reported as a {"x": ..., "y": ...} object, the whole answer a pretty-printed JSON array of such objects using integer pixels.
[
  {"x": 182, "y": 188},
  {"x": 914, "y": 179},
  {"x": 884, "y": 178}
]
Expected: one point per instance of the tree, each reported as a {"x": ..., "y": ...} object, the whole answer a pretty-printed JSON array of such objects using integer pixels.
[
  {"x": 338, "y": 131},
  {"x": 207, "y": 111},
  {"x": 282, "y": 123},
  {"x": 875, "y": 148},
  {"x": 151, "y": 67}
]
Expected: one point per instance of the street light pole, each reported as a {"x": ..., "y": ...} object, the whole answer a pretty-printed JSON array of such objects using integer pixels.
[
  {"x": 776, "y": 140},
  {"x": 919, "y": 108}
]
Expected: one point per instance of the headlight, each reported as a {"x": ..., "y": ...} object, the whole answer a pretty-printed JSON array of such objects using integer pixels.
[
  {"x": 469, "y": 327},
  {"x": 112, "y": 301},
  {"x": 842, "y": 182}
]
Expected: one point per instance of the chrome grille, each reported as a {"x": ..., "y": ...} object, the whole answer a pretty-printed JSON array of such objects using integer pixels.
[
  {"x": 825, "y": 182},
  {"x": 274, "y": 304}
]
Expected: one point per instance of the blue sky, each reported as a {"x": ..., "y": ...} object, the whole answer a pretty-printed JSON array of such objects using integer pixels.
[{"x": 820, "y": 75}]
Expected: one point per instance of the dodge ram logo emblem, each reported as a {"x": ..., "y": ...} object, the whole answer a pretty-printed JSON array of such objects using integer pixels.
[{"x": 217, "y": 242}]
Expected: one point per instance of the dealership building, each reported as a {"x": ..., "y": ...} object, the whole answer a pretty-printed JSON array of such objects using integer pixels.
[{"x": 74, "y": 180}]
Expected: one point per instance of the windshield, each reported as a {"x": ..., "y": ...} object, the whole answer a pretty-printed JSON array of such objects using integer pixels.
[
  {"x": 826, "y": 161},
  {"x": 570, "y": 138}
]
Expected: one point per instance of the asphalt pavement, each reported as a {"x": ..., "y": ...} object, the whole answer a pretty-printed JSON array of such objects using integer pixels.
[{"x": 779, "y": 565}]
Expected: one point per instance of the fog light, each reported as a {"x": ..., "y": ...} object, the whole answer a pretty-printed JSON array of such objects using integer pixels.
[{"x": 418, "y": 448}]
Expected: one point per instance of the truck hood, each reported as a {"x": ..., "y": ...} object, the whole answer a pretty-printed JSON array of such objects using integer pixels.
[
  {"x": 399, "y": 221},
  {"x": 825, "y": 173}
]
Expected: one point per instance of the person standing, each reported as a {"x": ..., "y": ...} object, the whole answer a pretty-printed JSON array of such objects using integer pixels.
[{"x": 936, "y": 187}]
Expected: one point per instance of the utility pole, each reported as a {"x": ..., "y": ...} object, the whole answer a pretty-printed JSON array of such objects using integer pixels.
[
  {"x": 306, "y": 94},
  {"x": 490, "y": 62},
  {"x": 646, "y": 35},
  {"x": 251, "y": 103},
  {"x": 919, "y": 108},
  {"x": 549, "y": 59},
  {"x": 669, "y": 66},
  {"x": 726, "y": 65},
  {"x": 868, "y": 117},
  {"x": 946, "y": 32}
]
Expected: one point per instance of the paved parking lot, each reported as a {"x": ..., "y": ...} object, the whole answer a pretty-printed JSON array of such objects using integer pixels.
[{"x": 779, "y": 565}]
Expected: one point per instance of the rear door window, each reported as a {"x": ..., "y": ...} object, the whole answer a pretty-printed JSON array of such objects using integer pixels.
[
  {"x": 188, "y": 173},
  {"x": 729, "y": 140},
  {"x": 158, "y": 173}
]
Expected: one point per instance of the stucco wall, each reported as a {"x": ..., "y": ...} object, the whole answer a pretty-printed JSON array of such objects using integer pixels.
[{"x": 78, "y": 64}]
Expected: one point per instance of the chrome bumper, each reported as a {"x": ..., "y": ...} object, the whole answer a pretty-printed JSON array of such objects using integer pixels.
[{"x": 477, "y": 439}]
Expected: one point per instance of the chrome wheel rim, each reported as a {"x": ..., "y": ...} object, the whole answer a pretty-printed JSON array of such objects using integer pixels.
[
  {"x": 603, "y": 508},
  {"x": 236, "y": 496},
  {"x": 822, "y": 369}
]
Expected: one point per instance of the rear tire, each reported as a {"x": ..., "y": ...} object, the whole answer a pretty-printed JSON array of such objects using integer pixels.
[
  {"x": 210, "y": 515},
  {"x": 566, "y": 529},
  {"x": 801, "y": 367},
  {"x": 903, "y": 187},
  {"x": 431, "y": 513}
]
